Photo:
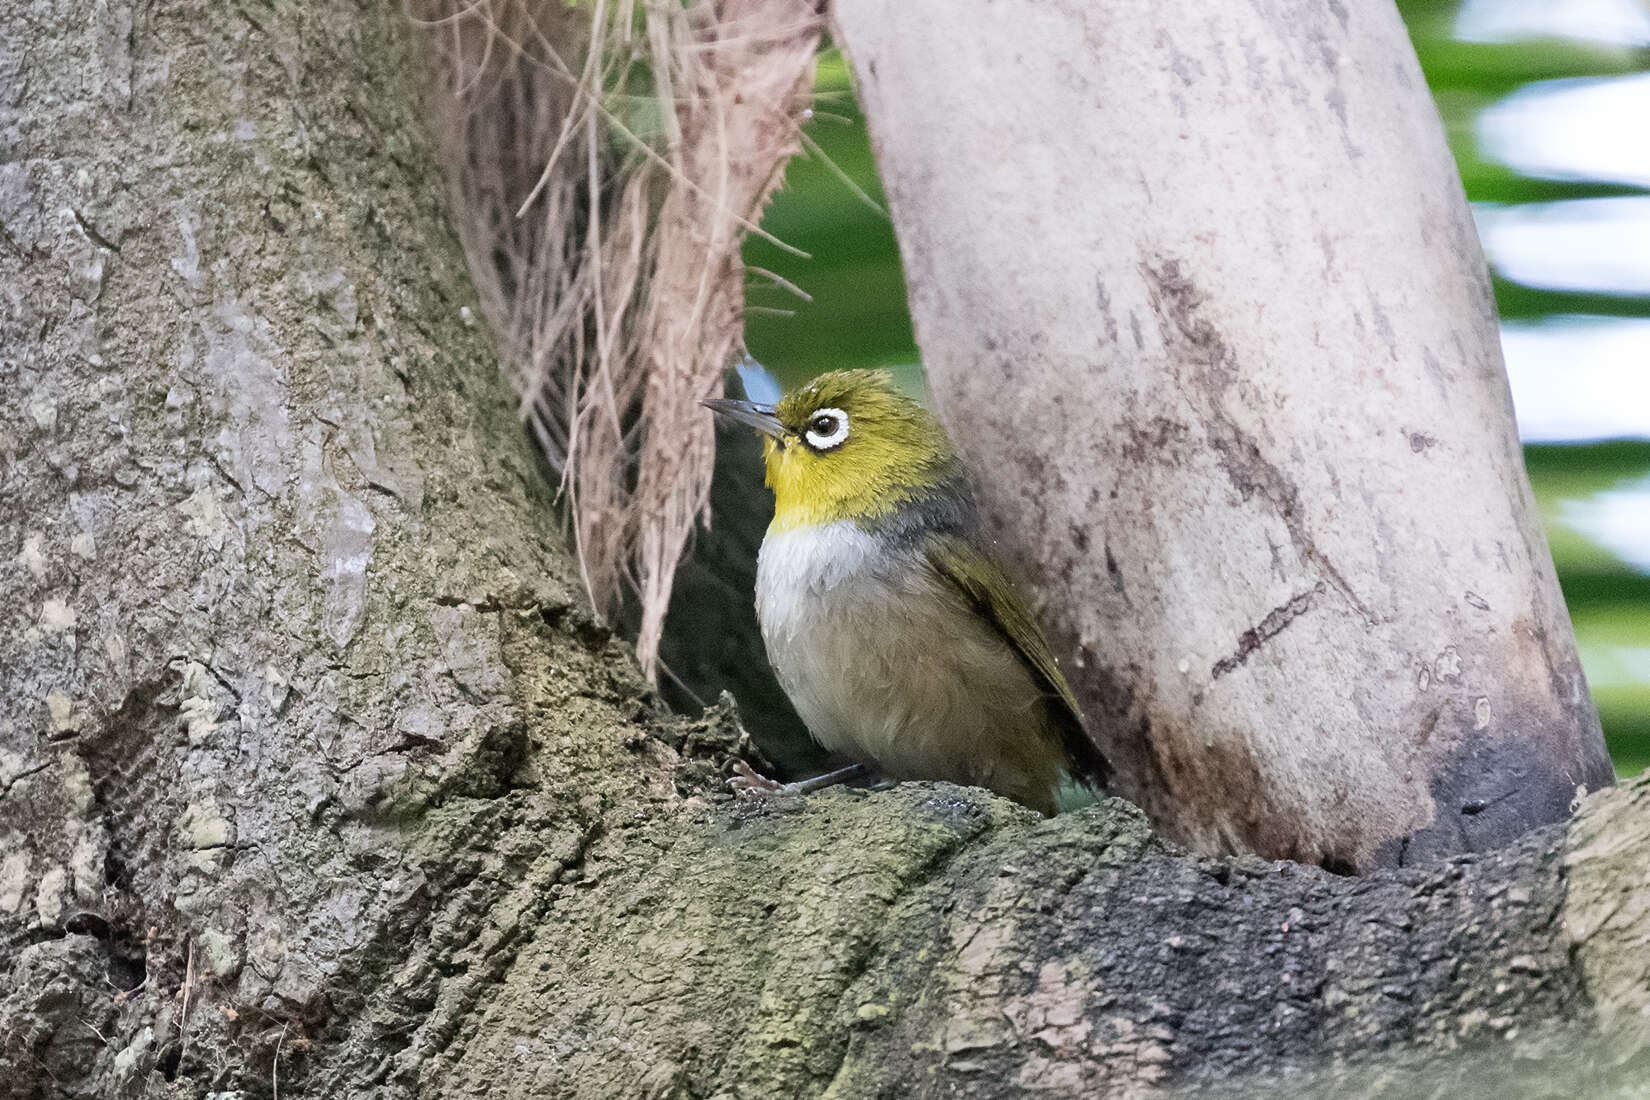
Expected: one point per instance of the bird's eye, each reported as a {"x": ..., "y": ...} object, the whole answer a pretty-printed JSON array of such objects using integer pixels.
[{"x": 826, "y": 429}]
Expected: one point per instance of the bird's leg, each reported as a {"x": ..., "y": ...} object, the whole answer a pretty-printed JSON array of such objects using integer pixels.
[
  {"x": 747, "y": 784},
  {"x": 830, "y": 779}
]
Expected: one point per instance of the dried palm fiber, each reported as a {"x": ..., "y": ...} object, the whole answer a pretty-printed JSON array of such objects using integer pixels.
[{"x": 606, "y": 160}]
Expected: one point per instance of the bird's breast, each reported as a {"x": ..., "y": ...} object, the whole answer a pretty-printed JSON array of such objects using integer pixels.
[
  {"x": 827, "y": 596},
  {"x": 891, "y": 666},
  {"x": 801, "y": 571}
]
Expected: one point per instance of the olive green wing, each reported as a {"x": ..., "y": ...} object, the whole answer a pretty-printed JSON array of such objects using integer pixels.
[{"x": 984, "y": 584}]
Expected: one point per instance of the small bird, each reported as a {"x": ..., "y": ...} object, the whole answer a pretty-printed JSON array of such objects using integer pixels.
[{"x": 890, "y": 625}]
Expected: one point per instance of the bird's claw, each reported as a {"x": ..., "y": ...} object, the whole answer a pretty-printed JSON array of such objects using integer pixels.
[{"x": 746, "y": 783}]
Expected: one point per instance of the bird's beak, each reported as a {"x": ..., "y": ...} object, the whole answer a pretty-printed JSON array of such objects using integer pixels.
[{"x": 760, "y": 417}]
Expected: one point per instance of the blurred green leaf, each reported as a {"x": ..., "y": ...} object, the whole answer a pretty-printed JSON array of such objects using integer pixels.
[
  {"x": 1520, "y": 302},
  {"x": 1496, "y": 69}
]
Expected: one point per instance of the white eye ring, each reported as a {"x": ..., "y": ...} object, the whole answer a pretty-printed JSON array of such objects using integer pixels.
[{"x": 834, "y": 436}]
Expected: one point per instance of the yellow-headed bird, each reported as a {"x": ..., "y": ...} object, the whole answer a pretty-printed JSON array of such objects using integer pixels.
[{"x": 897, "y": 636}]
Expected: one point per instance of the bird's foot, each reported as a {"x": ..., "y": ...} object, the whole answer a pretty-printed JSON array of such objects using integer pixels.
[{"x": 747, "y": 784}]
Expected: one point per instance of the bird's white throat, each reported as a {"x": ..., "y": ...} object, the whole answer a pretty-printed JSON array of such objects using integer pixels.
[{"x": 808, "y": 562}]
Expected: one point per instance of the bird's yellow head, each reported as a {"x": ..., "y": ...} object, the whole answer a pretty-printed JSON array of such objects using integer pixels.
[{"x": 847, "y": 446}]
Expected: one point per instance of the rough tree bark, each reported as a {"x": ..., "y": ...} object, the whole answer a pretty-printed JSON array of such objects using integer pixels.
[
  {"x": 1238, "y": 406},
  {"x": 315, "y": 774}
]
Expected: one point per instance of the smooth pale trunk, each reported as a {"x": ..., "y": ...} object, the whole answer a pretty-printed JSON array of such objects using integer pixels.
[{"x": 1201, "y": 300}]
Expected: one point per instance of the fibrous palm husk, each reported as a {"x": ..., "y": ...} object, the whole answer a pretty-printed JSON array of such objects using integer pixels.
[{"x": 606, "y": 161}]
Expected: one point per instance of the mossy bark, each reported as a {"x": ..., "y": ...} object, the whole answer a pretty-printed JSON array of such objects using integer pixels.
[
  {"x": 286, "y": 598},
  {"x": 316, "y": 775}
]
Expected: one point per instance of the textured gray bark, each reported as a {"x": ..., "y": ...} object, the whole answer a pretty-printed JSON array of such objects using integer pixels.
[
  {"x": 315, "y": 775},
  {"x": 283, "y": 591},
  {"x": 1199, "y": 295}
]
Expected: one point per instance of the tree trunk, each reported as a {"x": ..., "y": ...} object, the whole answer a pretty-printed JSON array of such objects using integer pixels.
[
  {"x": 317, "y": 779},
  {"x": 1199, "y": 295},
  {"x": 289, "y": 615}
]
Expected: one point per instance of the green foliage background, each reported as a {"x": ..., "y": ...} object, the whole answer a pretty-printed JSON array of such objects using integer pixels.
[{"x": 855, "y": 315}]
